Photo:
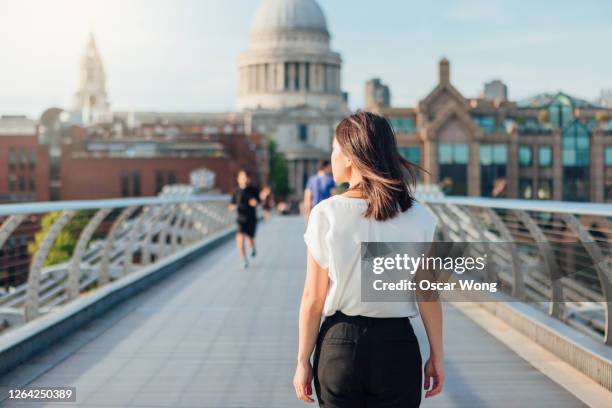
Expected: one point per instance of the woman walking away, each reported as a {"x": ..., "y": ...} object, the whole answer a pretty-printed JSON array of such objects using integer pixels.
[
  {"x": 245, "y": 200},
  {"x": 365, "y": 353}
]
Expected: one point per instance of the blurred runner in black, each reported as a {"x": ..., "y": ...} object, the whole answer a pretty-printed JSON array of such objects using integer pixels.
[{"x": 245, "y": 199}]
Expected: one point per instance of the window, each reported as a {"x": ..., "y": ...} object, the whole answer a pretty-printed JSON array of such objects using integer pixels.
[
  {"x": 576, "y": 141},
  {"x": 159, "y": 181},
  {"x": 493, "y": 154},
  {"x": 12, "y": 182},
  {"x": 452, "y": 168},
  {"x": 486, "y": 123},
  {"x": 453, "y": 153},
  {"x": 23, "y": 159},
  {"x": 125, "y": 184},
  {"x": 411, "y": 153},
  {"x": 12, "y": 158},
  {"x": 561, "y": 111},
  {"x": 526, "y": 188},
  {"x": 545, "y": 189},
  {"x": 545, "y": 156},
  {"x": 402, "y": 125},
  {"x": 32, "y": 184},
  {"x": 171, "y": 177},
  {"x": 296, "y": 76},
  {"x": 22, "y": 183},
  {"x": 608, "y": 156},
  {"x": 32, "y": 159},
  {"x": 525, "y": 156},
  {"x": 493, "y": 159},
  {"x": 136, "y": 187},
  {"x": 303, "y": 133}
]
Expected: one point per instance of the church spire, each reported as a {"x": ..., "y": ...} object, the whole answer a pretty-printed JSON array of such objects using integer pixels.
[{"x": 91, "y": 98}]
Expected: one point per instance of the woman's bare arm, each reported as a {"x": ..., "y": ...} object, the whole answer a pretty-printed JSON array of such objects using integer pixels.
[
  {"x": 311, "y": 309},
  {"x": 431, "y": 314}
]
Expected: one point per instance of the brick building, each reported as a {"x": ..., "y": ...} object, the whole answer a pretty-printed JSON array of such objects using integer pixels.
[
  {"x": 24, "y": 161},
  {"x": 551, "y": 146},
  {"x": 23, "y": 177},
  {"x": 96, "y": 163},
  {"x": 110, "y": 161}
]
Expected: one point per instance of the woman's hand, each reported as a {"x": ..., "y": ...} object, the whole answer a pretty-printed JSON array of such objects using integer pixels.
[
  {"x": 302, "y": 381},
  {"x": 252, "y": 202},
  {"x": 434, "y": 376}
]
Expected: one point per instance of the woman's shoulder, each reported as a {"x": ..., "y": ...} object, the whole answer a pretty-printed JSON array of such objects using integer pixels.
[
  {"x": 340, "y": 203},
  {"x": 422, "y": 213}
]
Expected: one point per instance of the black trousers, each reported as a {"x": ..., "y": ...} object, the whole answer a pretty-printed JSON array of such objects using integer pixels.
[{"x": 367, "y": 362}]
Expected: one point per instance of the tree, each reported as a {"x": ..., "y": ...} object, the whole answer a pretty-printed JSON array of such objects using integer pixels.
[
  {"x": 66, "y": 240},
  {"x": 279, "y": 171}
]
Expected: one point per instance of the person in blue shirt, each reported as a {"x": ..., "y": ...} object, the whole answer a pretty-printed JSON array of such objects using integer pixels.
[{"x": 319, "y": 187}]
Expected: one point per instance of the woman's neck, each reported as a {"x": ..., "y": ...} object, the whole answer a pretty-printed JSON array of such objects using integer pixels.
[{"x": 354, "y": 192}]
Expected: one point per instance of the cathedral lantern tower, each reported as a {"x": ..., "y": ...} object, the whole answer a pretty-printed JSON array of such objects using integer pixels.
[{"x": 91, "y": 99}]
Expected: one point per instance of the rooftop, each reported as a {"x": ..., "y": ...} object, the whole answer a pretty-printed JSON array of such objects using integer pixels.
[
  {"x": 17, "y": 126},
  {"x": 543, "y": 100}
]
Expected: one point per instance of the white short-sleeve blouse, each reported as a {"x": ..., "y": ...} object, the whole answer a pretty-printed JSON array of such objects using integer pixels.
[{"x": 336, "y": 228}]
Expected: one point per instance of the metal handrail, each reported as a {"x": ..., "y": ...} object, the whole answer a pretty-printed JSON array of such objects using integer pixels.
[
  {"x": 49, "y": 206},
  {"x": 563, "y": 207},
  {"x": 574, "y": 281},
  {"x": 146, "y": 230}
]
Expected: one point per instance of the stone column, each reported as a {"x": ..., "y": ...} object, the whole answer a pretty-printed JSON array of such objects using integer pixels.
[
  {"x": 597, "y": 168},
  {"x": 252, "y": 79},
  {"x": 261, "y": 78},
  {"x": 300, "y": 176},
  {"x": 512, "y": 173},
  {"x": 302, "y": 76},
  {"x": 255, "y": 78},
  {"x": 473, "y": 170},
  {"x": 280, "y": 76},
  {"x": 323, "y": 78},
  {"x": 557, "y": 167},
  {"x": 430, "y": 162},
  {"x": 338, "y": 79},
  {"x": 272, "y": 77},
  {"x": 291, "y": 175}
]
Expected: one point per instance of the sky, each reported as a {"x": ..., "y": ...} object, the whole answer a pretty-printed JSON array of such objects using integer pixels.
[{"x": 181, "y": 55}]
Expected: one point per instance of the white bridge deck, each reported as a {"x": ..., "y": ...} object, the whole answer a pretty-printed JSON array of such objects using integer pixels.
[{"x": 215, "y": 335}]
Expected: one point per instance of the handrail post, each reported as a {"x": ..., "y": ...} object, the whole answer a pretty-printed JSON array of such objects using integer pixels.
[
  {"x": 601, "y": 266},
  {"x": 552, "y": 268},
  {"x": 32, "y": 293}
]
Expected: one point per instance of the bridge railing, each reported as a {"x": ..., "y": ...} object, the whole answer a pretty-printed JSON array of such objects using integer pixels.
[
  {"x": 555, "y": 255},
  {"x": 113, "y": 239}
]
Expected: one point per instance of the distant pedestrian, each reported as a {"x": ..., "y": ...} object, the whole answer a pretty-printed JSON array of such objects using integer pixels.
[
  {"x": 244, "y": 200},
  {"x": 319, "y": 187},
  {"x": 267, "y": 199}
]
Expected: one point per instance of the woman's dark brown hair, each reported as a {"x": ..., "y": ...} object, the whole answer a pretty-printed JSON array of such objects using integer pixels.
[{"x": 369, "y": 141}]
